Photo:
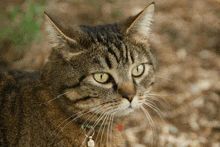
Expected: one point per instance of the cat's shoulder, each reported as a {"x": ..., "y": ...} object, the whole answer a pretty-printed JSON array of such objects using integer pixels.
[{"x": 15, "y": 77}]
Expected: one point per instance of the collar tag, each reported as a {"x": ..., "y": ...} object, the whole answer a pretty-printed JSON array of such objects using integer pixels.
[{"x": 120, "y": 127}]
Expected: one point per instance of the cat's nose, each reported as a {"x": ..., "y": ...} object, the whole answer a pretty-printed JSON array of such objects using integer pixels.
[
  {"x": 127, "y": 90},
  {"x": 129, "y": 96}
]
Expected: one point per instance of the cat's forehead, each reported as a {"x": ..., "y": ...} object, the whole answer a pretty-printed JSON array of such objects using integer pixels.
[
  {"x": 118, "y": 55},
  {"x": 110, "y": 49},
  {"x": 109, "y": 38},
  {"x": 102, "y": 34}
]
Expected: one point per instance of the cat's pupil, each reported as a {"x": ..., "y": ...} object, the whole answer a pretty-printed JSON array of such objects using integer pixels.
[{"x": 137, "y": 69}]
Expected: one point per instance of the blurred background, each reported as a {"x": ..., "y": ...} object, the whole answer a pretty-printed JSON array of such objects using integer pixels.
[{"x": 185, "y": 38}]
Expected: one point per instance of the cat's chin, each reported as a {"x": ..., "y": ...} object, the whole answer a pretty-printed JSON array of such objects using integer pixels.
[
  {"x": 126, "y": 107},
  {"x": 124, "y": 112}
]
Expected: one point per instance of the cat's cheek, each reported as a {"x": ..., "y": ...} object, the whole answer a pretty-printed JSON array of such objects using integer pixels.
[
  {"x": 88, "y": 104},
  {"x": 148, "y": 89},
  {"x": 73, "y": 95}
]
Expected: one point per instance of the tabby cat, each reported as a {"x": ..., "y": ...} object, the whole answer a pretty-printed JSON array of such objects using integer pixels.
[{"x": 95, "y": 77}]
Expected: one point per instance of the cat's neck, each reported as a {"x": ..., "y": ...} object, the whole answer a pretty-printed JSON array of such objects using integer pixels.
[{"x": 70, "y": 128}]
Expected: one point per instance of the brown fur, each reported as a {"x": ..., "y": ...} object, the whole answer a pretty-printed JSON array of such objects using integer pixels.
[{"x": 34, "y": 120}]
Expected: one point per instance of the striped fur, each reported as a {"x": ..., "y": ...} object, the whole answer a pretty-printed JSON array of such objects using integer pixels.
[{"x": 37, "y": 108}]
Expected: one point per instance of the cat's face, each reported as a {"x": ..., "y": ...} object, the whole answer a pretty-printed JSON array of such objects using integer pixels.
[
  {"x": 116, "y": 78},
  {"x": 112, "y": 65}
]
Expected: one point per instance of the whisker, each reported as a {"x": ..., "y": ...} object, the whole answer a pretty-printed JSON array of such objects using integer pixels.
[
  {"x": 99, "y": 119},
  {"x": 56, "y": 97},
  {"x": 151, "y": 122},
  {"x": 151, "y": 102},
  {"x": 154, "y": 94},
  {"x": 66, "y": 120},
  {"x": 96, "y": 113},
  {"x": 108, "y": 128},
  {"x": 111, "y": 126},
  {"x": 110, "y": 133},
  {"x": 148, "y": 97},
  {"x": 167, "y": 103},
  {"x": 101, "y": 126},
  {"x": 104, "y": 127},
  {"x": 156, "y": 109},
  {"x": 95, "y": 124},
  {"x": 71, "y": 122}
]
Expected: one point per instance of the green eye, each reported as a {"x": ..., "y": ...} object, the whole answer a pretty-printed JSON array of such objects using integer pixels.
[
  {"x": 138, "y": 71},
  {"x": 101, "y": 77}
]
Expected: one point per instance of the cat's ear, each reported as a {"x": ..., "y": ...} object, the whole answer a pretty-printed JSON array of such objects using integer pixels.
[
  {"x": 59, "y": 34},
  {"x": 139, "y": 26}
]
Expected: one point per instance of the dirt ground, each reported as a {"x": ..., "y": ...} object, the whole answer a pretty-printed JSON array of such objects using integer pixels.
[{"x": 186, "y": 40}]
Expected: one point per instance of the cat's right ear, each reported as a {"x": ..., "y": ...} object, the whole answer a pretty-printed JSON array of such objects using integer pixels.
[
  {"x": 139, "y": 26},
  {"x": 58, "y": 34}
]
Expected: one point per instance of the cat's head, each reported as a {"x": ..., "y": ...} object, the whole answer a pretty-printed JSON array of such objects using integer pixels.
[{"x": 107, "y": 68}]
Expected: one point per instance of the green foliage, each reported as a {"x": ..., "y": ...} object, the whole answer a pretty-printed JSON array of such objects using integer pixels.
[
  {"x": 22, "y": 25},
  {"x": 116, "y": 13}
]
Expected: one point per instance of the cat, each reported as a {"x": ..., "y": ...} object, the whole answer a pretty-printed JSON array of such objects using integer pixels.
[{"x": 95, "y": 78}]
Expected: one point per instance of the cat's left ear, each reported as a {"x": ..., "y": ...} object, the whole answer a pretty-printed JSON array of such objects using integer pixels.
[
  {"x": 139, "y": 27},
  {"x": 60, "y": 34}
]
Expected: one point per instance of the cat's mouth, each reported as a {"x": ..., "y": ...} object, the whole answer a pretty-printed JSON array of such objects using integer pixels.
[
  {"x": 125, "y": 109},
  {"x": 129, "y": 108},
  {"x": 125, "y": 112}
]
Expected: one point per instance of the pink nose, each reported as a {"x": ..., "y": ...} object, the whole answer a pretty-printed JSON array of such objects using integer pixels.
[{"x": 127, "y": 90}]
